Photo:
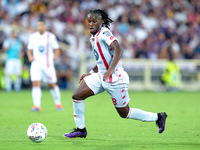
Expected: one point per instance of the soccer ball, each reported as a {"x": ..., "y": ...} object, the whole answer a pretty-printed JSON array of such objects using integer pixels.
[{"x": 37, "y": 132}]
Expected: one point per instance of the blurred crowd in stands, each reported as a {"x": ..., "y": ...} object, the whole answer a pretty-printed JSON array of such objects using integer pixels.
[{"x": 144, "y": 28}]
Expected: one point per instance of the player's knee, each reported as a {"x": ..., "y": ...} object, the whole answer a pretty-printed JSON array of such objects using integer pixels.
[
  {"x": 52, "y": 86},
  {"x": 35, "y": 83},
  {"x": 123, "y": 115},
  {"x": 123, "y": 112},
  {"x": 76, "y": 96}
]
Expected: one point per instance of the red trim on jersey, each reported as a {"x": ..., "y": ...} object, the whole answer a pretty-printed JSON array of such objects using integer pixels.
[
  {"x": 101, "y": 53},
  {"x": 102, "y": 56},
  {"x": 98, "y": 33},
  {"x": 47, "y": 50},
  {"x": 112, "y": 42}
]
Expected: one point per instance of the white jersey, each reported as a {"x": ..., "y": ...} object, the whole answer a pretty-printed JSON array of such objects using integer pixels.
[
  {"x": 104, "y": 53},
  {"x": 43, "y": 47}
]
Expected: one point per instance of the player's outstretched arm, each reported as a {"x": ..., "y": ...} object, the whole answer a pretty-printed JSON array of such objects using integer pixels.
[
  {"x": 30, "y": 55},
  {"x": 116, "y": 57},
  {"x": 56, "y": 54}
]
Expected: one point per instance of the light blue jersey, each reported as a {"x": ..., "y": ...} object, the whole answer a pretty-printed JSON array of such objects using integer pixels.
[{"x": 13, "y": 47}]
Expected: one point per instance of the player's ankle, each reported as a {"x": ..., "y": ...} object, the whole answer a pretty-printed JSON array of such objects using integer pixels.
[
  {"x": 159, "y": 116},
  {"x": 82, "y": 130}
]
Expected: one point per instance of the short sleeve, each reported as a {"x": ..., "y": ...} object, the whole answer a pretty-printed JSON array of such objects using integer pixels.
[
  {"x": 55, "y": 43},
  {"x": 108, "y": 37},
  {"x": 30, "y": 44},
  {"x": 6, "y": 43}
]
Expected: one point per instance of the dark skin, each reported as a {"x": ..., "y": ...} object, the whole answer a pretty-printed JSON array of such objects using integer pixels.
[
  {"x": 41, "y": 28},
  {"x": 83, "y": 91}
]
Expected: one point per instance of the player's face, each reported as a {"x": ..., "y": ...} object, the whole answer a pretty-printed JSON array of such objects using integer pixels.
[
  {"x": 14, "y": 34},
  {"x": 94, "y": 23},
  {"x": 41, "y": 27}
]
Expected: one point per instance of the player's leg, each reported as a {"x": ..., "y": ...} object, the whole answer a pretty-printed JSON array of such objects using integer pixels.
[
  {"x": 55, "y": 92},
  {"x": 36, "y": 95},
  {"x": 78, "y": 97},
  {"x": 138, "y": 114},
  {"x": 120, "y": 98},
  {"x": 36, "y": 76},
  {"x": 54, "y": 89},
  {"x": 18, "y": 70},
  {"x": 91, "y": 85},
  {"x": 8, "y": 73}
]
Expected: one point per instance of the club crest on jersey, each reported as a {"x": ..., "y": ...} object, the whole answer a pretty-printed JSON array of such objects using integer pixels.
[
  {"x": 41, "y": 48},
  {"x": 107, "y": 33},
  {"x": 96, "y": 54}
]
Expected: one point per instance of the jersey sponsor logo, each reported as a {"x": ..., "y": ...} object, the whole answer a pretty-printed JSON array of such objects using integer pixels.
[
  {"x": 41, "y": 48},
  {"x": 96, "y": 54},
  {"x": 49, "y": 78},
  {"x": 107, "y": 33},
  {"x": 111, "y": 37}
]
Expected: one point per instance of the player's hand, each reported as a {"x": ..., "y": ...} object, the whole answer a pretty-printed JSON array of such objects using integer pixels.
[
  {"x": 31, "y": 59},
  {"x": 83, "y": 76},
  {"x": 54, "y": 58},
  {"x": 107, "y": 74}
]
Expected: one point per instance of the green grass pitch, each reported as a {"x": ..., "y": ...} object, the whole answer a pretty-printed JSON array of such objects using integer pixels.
[{"x": 106, "y": 130}]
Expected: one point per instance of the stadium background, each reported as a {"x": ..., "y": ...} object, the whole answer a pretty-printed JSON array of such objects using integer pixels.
[{"x": 144, "y": 28}]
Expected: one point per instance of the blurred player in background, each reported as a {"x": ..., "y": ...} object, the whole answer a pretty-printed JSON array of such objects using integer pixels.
[
  {"x": 13, "y": 67},
  {"x": 108, "y": 75},
  {"x": 171, "y": 75},
  {"x": 43, "y": 50}
]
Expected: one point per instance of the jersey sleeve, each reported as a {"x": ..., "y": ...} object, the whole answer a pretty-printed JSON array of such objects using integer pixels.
[
  {"x": 6, "y": 43},
  {"x": 108, "y": 37},
  {"x": 30, "y": 44},
  {"x": 55, "y": 43}
]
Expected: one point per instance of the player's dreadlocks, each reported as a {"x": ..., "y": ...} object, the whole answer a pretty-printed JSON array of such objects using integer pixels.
[{"x": 103, "y": 15}]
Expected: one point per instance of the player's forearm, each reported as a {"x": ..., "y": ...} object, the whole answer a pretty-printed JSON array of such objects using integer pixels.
[
  {"x": 116, "y": 58},
  {"x": 117, "y": 55},
  {"x": 30, "y": 55},
  {"x": 4, "y": 49},
  {"x": 21, "y": 54},
  {"x": 56, "y": 53}
]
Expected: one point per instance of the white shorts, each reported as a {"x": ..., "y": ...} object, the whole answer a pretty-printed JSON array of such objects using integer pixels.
[
  {"x": 13, "y": 66},
  {"x": 118, "y": 90},
  {"x": 41, "y": 72}
]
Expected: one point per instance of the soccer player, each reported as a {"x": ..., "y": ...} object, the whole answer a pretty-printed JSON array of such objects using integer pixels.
[
  {"x": 13, "y": 48},
  {"x": 43, "y": 50},
  {"x": 107, "y": 75}
]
